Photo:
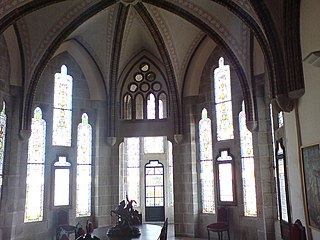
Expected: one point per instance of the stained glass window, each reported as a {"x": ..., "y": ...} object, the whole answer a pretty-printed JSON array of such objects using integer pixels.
[
  {"x": 225, "y": 177},
  {"x": 61, "y": 185},
  {"x": 62, "y": 112},
  {"x": 223, "y": 104},
  {"x": 153, "y": 145},
  {"x": 132, "y": 148},
  {"x": 84, "y": 161},
  {"x": 206, "y": 164},
  {"x": 170, "y": 160},
  {"x": 247, "y": 164},
  {"x": 280, "y": 119},
  {"x": 35, "y": 169},
  {"x": 282, "y": 187},
  {"x": 3, "y": 124},
  {"x": 151, "y": 107}
]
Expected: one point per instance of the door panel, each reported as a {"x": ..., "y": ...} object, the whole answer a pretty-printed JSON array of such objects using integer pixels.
[{"x": 154, "y": 191}]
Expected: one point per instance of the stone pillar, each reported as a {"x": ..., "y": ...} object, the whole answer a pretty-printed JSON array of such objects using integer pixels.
[
  {"x": 264, "y": 171},
  {"x": 102, "y": 170},
  {"x": 185, "y": 178}
]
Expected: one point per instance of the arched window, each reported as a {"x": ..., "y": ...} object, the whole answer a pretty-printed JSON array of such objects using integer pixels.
[
  {"x": 62, "y": 110},
  {"x": 84, "y": 161},
  {"x": 139, "y": 106},
  {"x": 162, "y": 106},
  {"x": 206, "y": 164},
  {"x": 35, "y": 169},
  {"x": 127, "y": 107},
  {"x": 3, "y": 127},
  {"x": 223, "y": 104},
  {"x": 247, "y": 167},
  {"x": 148, "y": 90},
  {"x": 151, "y": 107}
]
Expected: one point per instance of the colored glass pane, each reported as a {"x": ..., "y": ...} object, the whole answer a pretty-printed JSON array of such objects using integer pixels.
[
  {"x": 62, "y": 113},
  {"x": 207, "y": 186},
  {"x": 222, "y": 89},
  {"x": 84, "y": 160},
  {"x": 3, "y": 127},
  {"x": 205, "y": 138},
  {"x": 153, "y": 145},
  {"x": 151, "y": 107},
  {"x": 247, "y": 164},
  {"x": 35, "y": 169},
  {"x": 206, "y": 163}
]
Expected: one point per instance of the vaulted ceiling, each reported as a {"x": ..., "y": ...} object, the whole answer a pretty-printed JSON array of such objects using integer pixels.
[{"x": 112, "y": 32}]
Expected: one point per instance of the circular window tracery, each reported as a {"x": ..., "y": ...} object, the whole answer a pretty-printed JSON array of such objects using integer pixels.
[
  {"x": 138, "y": 77},
  {"x": 133, "y": 87},
  {"x": 144, "y": 67},
  {"x": 156, "y": 86},
  {"x": 144, "y": 87},
  {"x": 151, "y": 76}
]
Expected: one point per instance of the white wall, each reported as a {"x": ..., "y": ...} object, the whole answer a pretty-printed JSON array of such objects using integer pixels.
[{"x": 308, "y": 110}]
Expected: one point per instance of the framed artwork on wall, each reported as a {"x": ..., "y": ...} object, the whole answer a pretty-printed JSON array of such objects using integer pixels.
[{"x": 311, "y": 167}]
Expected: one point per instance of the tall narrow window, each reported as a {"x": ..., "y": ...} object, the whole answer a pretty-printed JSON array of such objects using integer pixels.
[
  {"x": 61, "y": 184},
  {"x": 206, "y": 164},
  {"x": 162, "y": 106},
  {"x": 247, "y": 164},
  {"x": 62, "y": 111},
  {"x": 274, "y": 161},
  {"x": 226, "y": 186},
  {"x": 3, "y": 127},
  {"x": 151, "y": 107},
  {"x": 223, "y": 104},
  {"x": 35, "y": 169},
  {"x": 170, "y": 160},
  {"x": 139, "y": 106},
  {"x": 127, "y": 107},
  {"x": 280, "y": 119},
  {"x": 132, "y": 146},
  {"x": 282, "y": 183},
  {"x": 84, "y": 151}
]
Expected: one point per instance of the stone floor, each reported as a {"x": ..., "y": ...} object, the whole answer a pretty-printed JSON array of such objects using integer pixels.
[{"x": 172, "y": 237}]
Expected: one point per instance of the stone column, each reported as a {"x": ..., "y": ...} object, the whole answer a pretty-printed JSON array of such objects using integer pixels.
[{"x": 185, "y": 177}]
